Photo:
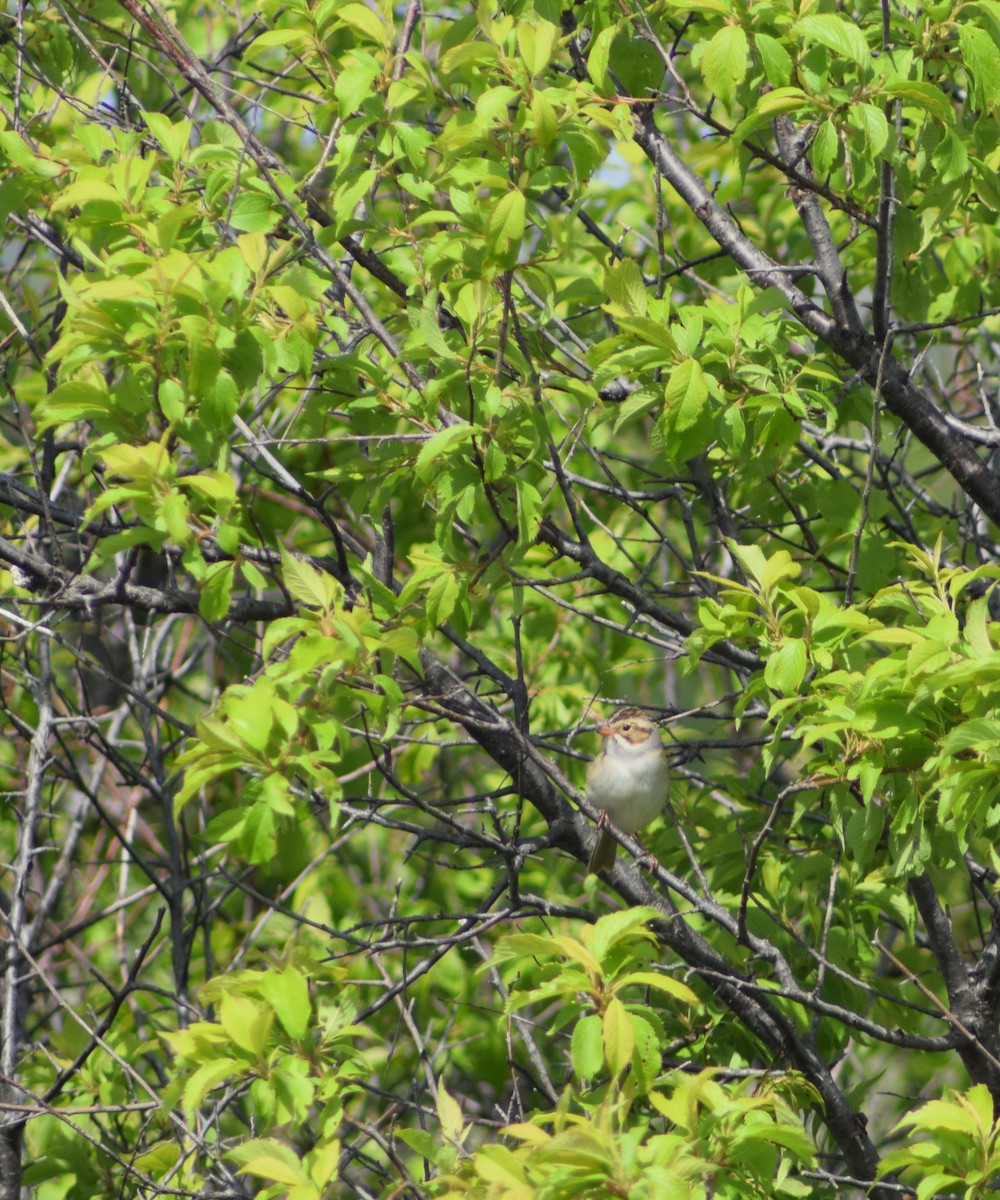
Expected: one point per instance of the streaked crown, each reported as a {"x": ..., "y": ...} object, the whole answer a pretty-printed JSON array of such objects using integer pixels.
[{"x": 632, "y": 725}]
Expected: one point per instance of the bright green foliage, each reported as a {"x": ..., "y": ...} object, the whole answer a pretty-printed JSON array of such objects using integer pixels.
[
  {"x": 735, "y": 1140},
  {"x": 294, "y": 1065},
  {"x": 389, "y": 390},
  {"x": 723, "y": 1141},
  {"x": 956, "y": 1147},
  {"x": 898, "y": 705},
  {"x": 592, "y": 979}
]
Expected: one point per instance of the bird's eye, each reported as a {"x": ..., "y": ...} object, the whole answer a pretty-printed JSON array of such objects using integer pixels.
[{"x": 626, "y": 727}]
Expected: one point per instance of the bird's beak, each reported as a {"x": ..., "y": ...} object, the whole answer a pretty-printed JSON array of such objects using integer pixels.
[{"x": 605, "y": 730}]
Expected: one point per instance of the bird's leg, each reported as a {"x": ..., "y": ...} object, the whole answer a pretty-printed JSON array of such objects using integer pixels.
[{"x": 646, "y": 861}]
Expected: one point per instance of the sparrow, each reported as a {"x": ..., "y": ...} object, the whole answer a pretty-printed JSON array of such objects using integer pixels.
[{"x": 627, "y": 781}]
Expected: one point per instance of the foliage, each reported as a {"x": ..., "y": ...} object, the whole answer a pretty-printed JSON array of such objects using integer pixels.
[
  {"x": 389, "y": 390},
  {"x": 962, "y": 1151}
]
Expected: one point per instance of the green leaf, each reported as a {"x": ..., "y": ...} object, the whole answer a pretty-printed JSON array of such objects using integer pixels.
[
  {"x": 506, "y": 223},
  {"x": 751, "y": 560},
  {"x": 350, "y": 193},
  {"x": 714, "y": 6},
  {"x": 217, "y": 591},
  {"x": 617, "y": 1035},
  {"x": 174, "y": 516},
  {"x": 872, "y": 123},
  {"x": 21, "y": 155},
  {"x": 544, "y": 124},
  {"x": 979, "y": 1100},
  {"x": 73, "y": 401},
  {"x": 661, "y": 983},
  {"x": 280, "y": 37},
  {"x": 598, "y": 54},
  {"x": 613, "y": 930},
  {"x": 521, "y": 945},
  {"x": 214, "y": 486},
  {"x": 982, "y": 58},
  {"x": 257, "y": 837},
  {"x": 441, "y": 445},
  {"x": 90, "y": 191},
  {"x": 825, "y": 147},
  {"x": 951, "y": 158},
  {"x": 173, "y": 136},
  {"x": 626, "y": 287},
  {"x": 780, "y": 566},
  {"x": 926, "y": 97},
  {"x": 362, "y": 20},
  {"x": 724, "y": 63},
  {"x": 837, "y": 33},
  {"x": 529, "y": 511},
  {"x": 449, "y": 1113},
  {"x": 160, "y": 1159},
  {"x": 442, "y": 596},
  {"x": 307, "y": 584},
  {"x": 253, "y": 211},
  {"x": 587, "y": 1047},
  {"x": 287, "y": 992},
  {"x": 771, "y": 105},
  {"x": 574, "y": 950},
  {"x": 404, "y": 642},
  {"x": 791, "y": 1137},
  {"x": 639, "y": 404},
  {"x": 980, "y": 733},
  {"x": 685, "y": 394},
  {"x": 536, "y": 41},
  {"x": 734, "y": 428},
  {"x": 986, "y": 184},
  {"x": 206, "y": 1078},
  {"x": 785, "y": 670},
  {"x": 245, "y": 1021},
  {"x": 775, "y": 58},
  {"x": 863, "y": 831},
  {"x": 324, "y": 1163},
  {"x": 647, "y": 1064},
  {"x": 269, "y": 1159},
  {"x": 355, "y": 83},
  {"x": 942, "y": 1115}
]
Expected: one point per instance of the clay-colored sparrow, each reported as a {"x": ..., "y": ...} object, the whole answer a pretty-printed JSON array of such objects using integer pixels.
[{"x": 627, "y": 780}]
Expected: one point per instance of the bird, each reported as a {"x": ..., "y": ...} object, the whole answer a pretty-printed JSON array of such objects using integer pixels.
[{"x": 627, "y": 780}]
